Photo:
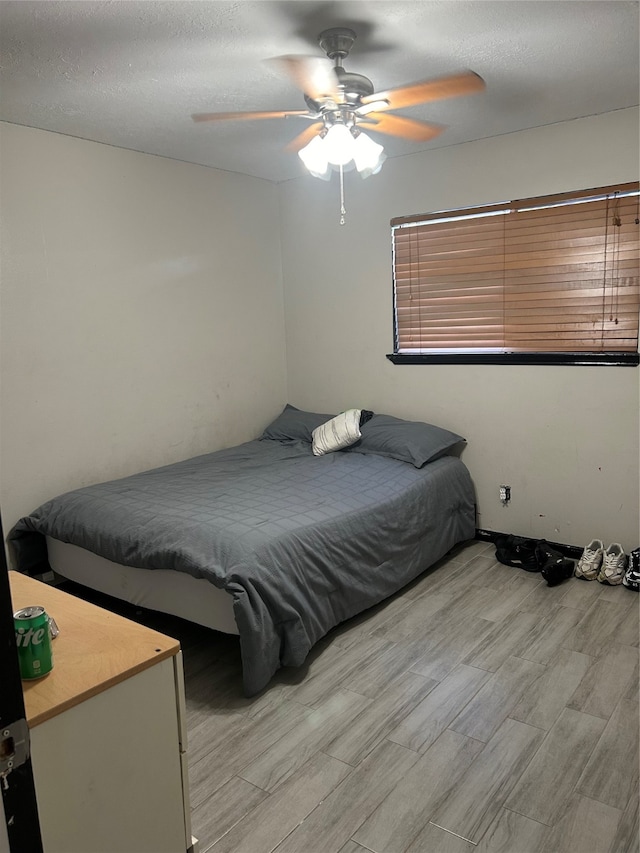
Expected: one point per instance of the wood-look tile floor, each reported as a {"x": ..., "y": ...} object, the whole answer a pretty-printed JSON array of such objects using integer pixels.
[{"x": 478, "y": 709}]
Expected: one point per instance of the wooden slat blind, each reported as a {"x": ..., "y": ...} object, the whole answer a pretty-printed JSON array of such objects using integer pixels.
[{"x": 552, "y": 274}]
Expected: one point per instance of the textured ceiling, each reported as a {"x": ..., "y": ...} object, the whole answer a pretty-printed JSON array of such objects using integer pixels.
[{"x": 131, "y": 73}]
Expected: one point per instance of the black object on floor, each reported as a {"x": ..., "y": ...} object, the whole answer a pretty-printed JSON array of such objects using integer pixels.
[
  {"x": 534, "y": 555},
  {"x": 555, "y": 572},
  {"x": 518, "y": 552},
  {"x": 554, "y": 566}
]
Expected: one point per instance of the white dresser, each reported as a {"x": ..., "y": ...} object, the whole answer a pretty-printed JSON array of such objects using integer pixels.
[{"x": 108, "y": 737}]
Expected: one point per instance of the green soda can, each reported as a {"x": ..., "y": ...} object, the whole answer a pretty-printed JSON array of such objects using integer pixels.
[{"x": 33, "y": 639}]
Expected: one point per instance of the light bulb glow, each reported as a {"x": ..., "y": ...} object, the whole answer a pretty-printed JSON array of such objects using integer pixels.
[
  {"x": 344, "y": 147},
  {"x": 339, "y": 145}
]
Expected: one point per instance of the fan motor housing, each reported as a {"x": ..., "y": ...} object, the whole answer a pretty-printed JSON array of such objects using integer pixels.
[{"x": 352, "y": 86}]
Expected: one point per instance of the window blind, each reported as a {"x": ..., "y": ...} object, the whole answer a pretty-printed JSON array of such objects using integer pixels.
[{"x": 557, "y": 273}]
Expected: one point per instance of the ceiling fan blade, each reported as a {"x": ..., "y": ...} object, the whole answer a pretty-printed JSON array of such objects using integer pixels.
[
  {"x": 453, "y": 86},
  {"x": 407, "y": 128},
  {"x": 304, "y": 138},
  {"x": 372, "y": 106},
  {"x": 311, "y": 74},
  {"x": 247, "y": 116}
]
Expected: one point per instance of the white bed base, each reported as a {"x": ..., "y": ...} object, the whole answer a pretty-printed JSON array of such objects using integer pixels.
[{"x": 178, "y": 593}]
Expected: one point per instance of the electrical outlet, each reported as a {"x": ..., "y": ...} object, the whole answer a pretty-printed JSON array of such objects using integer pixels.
[{"x": 505, "y": 494}]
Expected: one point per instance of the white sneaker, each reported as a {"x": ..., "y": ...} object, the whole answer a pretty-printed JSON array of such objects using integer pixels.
[
  {"x": 591, "y": 560},
  {"x": 614, "y": 565}
]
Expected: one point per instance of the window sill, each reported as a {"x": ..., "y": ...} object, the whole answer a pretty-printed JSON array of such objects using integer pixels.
[{"x": 616, "y": 359}]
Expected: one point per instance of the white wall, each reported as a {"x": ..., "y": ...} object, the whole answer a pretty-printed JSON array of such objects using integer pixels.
[
  {"x": 565, "y": 438},
  {"x": 137, "y": 328}
]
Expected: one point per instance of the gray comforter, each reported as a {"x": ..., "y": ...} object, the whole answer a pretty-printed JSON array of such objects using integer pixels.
[{"x": 300, "y": 542}]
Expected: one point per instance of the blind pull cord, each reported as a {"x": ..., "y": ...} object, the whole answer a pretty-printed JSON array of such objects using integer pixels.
[{"x": 615, "y": 260}]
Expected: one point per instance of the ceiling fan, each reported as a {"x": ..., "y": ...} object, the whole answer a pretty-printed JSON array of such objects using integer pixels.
[{"x": 342, "y": 99}]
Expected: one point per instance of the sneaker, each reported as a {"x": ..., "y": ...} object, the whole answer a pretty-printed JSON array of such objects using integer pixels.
[
  {"x": 591, "y": 560},
  {"x": 546, "y": 555},
  {"x": 614, "y": 564},
  {"x": 631, "y": 577},
  {"x": 556, "y": 571}
]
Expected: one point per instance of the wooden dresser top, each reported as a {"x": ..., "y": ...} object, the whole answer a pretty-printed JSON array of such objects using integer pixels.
[{"x": 94, "y": 650}]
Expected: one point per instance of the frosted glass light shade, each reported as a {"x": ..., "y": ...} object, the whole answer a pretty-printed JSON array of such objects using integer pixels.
[
  {"x": 367, "y": 154},
  {"x": 314, "y": 157},
  {"x": 339, "y": 145},
  {"x": 342, "y": 146}
]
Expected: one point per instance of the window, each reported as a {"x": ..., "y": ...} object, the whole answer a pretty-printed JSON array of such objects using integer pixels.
[{"x": 550, "y": 280}]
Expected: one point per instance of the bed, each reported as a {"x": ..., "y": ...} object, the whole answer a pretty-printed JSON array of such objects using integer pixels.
[{"x": 277, "y": 539}]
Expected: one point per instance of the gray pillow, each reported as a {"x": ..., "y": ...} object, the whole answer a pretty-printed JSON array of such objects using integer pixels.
[
  {"x": 294, "y": 425},
  {"x": 409, "y": 441}
]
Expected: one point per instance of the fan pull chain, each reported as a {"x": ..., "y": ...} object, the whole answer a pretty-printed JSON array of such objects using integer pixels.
[{"x": 342, "y": 208}]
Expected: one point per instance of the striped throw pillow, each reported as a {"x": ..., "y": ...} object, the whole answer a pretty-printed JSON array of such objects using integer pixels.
[{"x": 337, "y": 433}]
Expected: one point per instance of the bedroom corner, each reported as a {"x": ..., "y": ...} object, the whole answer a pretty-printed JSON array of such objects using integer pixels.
[{"x": 137, "y": 330}]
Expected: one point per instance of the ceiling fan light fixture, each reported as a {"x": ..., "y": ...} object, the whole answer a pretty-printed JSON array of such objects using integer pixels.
[
  {"x": 343, "y": 147},
  {"x": 367, "y": 154},
  {"x": 338, "y": 145},
  {"x": 314, "y": 157}
]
